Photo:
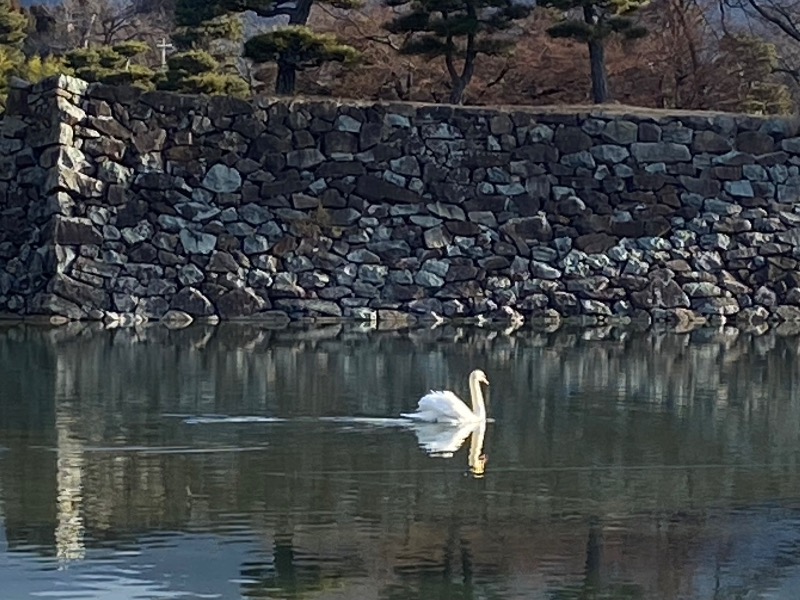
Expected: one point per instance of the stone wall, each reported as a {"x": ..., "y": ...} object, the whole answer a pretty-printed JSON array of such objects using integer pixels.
[{"x": 118, "y": 204}]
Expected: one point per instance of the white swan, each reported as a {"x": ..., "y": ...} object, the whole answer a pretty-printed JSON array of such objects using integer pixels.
[{"x": 446, "y": 407}]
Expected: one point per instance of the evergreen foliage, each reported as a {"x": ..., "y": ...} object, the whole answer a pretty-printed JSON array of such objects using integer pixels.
[
  {"x": 458, "y": 31},
  {"x": 297, "y": 48},
  {"x": 600, "y": 19},
  {"x": 293, "y": 48},
  {"x": 112, "y": 65},
  {"x": 13, "y": 31},
  {"x": 13, "y": 26},
  {"x": 205, "y": 31},
  {"x": 752, "y": 62}
]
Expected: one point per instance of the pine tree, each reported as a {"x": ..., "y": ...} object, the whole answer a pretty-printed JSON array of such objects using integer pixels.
[
  {"x": 112, "y": 65},
  {"x": 600, "y": 20},
  {"x": 206, "y": 32},
  {"x": 457, "y": 31},
  {"x": 13, "y": 25},
  {"x": 749, "y": 63},
  {"x": 292, "y": 48},
  {"x": 296, "y": 48}
]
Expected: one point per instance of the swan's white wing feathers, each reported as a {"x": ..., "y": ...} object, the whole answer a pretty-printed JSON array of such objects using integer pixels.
[
  {"x": 442, "y": 439},
  {"x": 445, "y": 405}
]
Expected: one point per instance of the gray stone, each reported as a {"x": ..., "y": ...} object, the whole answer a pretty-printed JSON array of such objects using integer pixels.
[
  {"x": 240, "y": 229},
  {"x": 425, "y": 221},
  {"x": 153, "y": 307},
  {"x": 666, "y": 152},
  {"x": 405, "y": 165},
  {"x": 708, "y": 141},
  {"x": 716, "y": 306},
  {"x": 595, "y": 307},
  {"x": 254, "y": 214},
  {"x": 571, "y": 206},
  {"x": 81, "y": 294},
  {"x": 222, "y": 179},
  {"x": 75, "y": 230},
  {"x": 720, "y": 207},
  {"x": 708, "y": 261},
  {"x": 135, "y": 235},
  {"x": 620, "y": 132},
  {"x": 255, "y": 244},
  {"x": 428, "y": 279},
  {"x": 609, "y": 153},
  {"x": 362, "y": 255},
  {"x": 483, "y": 217},
  {"x": 715, "y": 241},
  {"x": 542, "y": 270},
  {"x": 50, "y": 304},
  {"x": 241, "y": 302},
  {"x": 112, "y": 172},
  {"x": 583, "y": 159},
  {"x": 284, "y": 285},
  {"x": 195, "y": 242},
  {"x": 765, "y": 297},
  {"x": 571, "y": 139},
  {"x": 527, "y": 229},
  {"x": 498, "y": 175},
  {"x": 348, "y": 124},
  {"x": 436, "y": 238},
  {"x": 540, "y": 133},
  {"x": 791, "y": 145},
  {"x": 511, "y": 189},
  {"x": 305, "y": 158},
  {"x": 787, "y": 313},
  {"x": 741, "y": 189},
  {"x": 322, "y": 307},
  {"x": 373, "y": 274},
  {"x": 702, "y": 289},
  {"x": 447, "y": 211},
  {"x": 196, "y": 211}
]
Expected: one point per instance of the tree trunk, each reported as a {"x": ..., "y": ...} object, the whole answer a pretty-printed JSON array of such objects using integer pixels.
[
  {"x": 460, "y": 81},
  {"x": 597, "y": 60},
  {"x": 287, "y": 72},
  {"x": 285, "y": 81},
  {"x": 597, "y": 54},
  {"x": 457, "y": 91}
]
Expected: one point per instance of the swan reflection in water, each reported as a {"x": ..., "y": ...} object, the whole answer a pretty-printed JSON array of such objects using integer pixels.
[{"x": 443, "y": 440}]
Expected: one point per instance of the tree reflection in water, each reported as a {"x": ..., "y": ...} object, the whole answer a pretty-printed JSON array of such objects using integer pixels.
[{"x": 622, "y": 464}]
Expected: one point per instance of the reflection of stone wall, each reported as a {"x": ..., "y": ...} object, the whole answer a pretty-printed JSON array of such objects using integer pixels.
[
  {"x": 600, "y": 423},
  {"x": 117, "y": 202}
]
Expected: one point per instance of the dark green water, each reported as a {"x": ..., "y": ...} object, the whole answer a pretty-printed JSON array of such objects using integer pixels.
[{"x": 620, "y": 465}]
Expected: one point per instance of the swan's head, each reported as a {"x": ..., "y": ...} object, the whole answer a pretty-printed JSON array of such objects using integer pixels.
[{"x": 479, "y": 376}]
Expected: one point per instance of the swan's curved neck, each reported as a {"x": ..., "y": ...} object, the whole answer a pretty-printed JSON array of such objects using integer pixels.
[{"x": 478, "y": 407}]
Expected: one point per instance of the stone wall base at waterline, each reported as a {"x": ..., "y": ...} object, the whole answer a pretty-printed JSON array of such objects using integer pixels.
[
  {"x": 680, "y": 320},
  {"x": 123, "y": 206}
]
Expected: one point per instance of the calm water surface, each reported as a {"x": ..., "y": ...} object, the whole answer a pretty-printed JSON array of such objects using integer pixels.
[{"x": 241, "y": 462}]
